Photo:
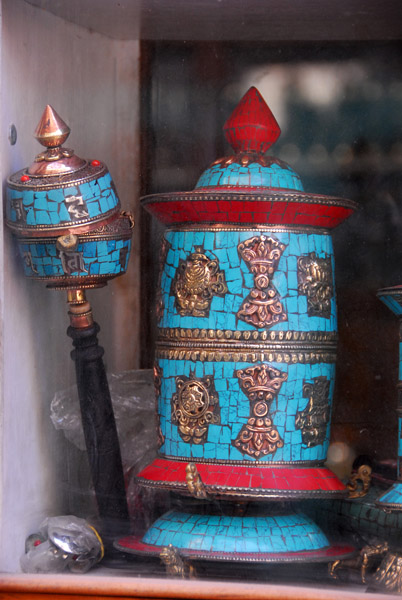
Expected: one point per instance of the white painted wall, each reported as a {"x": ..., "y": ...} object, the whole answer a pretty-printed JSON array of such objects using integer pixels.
[{"x": 92, "y": 82}]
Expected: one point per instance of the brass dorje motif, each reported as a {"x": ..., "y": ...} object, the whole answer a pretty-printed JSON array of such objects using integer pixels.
[
  {"x": 262, "y": 307},
  {"x": 313, "y": 420},
  {"x": 314, "y": 277},
  {"x": 261, "y": 384},
  {"x": 195, "y": 406},
  {"x": 197, "y": 280}
]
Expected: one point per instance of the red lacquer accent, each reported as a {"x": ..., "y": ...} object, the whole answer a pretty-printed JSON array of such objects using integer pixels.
[
  {"x": 251, "y": 127},
  {"x": 261, "y": 478},
  {"x": 314, "y": 211},
  {"x": 96, "y": 163},
  {"x": 136, "y": 546},
  {"x": 25, "y": 178}
]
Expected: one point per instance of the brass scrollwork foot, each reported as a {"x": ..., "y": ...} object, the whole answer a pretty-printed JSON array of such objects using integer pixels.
[
  {"x": 365, "y": 561},
  {"x": 194, "y": 482},
  {"x": 175, "y": 565},
  {"x": 362, "y": 475},
  {"x": 388, "y": 576}
]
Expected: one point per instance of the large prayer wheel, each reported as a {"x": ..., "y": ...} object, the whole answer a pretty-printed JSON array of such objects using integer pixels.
[{"x": 246, "y": 347}]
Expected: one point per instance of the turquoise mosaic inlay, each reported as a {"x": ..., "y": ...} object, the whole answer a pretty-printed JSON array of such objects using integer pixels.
[
  {"x": 274, "y": 176},
  {"x": 92, "y": 257},
  {"x": 393, "y": 495},
  {"x": 393, "y": 304},
  {"x": 234, "y": 408},
  {"x": 240, "y": 281},
  {"x": 84, "y": 201},
  {"x": 271, "y": 534}
]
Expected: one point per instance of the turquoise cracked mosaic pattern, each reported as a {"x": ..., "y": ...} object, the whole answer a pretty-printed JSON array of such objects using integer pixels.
[
  {"x": 393, "y": 304},
  {"x": 235, "y": 411},
  {"x": 49, "y": 207},
  {"x": 283, "y": 533},
  {"x": 240, "y": 281},
  {"x": 99, "y": 257},
  {"x": 253, "y": 175},
  {"x": 393, "y": 495}
]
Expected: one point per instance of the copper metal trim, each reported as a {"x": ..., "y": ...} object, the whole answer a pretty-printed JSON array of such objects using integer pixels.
[
  {"x": 73, "y": 285},
  {"x": 256, "y": 557},
  {"x": 81, "y": 226},
  {"x": 87, "y": 173},
  {"x": 230, "y": 336},
  {"x": 250, "y": 196},
  {"x": 388, "y": 507},
  {"x": 246, "y": 492},
  {"x": 91, "y": 236}
]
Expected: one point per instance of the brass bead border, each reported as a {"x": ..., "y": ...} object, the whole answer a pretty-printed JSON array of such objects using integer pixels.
[
  {"x": 218, "y": 355},
  {"x": 239, "y": 227},
  {"x": 227, "y": 335}
]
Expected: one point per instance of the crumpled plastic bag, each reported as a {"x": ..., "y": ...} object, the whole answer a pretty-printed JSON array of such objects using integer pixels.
[
  {"x": 64, "y": 542},
  {"x": 133, "y": 399}
]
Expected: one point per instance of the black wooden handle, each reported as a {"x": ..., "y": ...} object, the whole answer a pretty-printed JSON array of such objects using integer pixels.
[{"x": 100, "y": 432}]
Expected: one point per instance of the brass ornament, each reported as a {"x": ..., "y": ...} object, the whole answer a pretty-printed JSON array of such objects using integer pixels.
[
  {"x": 314, "y": 276},
  {"x": 197, "y": 280},
  {"x": 158, "y": 376},
  {"x": 71, "y": 260},
  {"x": 367, "y": 559},
  {"x": 388, "y": 576},
  {"x": 313, "y": 420},
  {"x": 159, "y": 304},
  {"x": 261, "y": 384},
  {"x": 76, "y": 207},
  {"x": 195, "y": 406},
  {"x": 262, "y": 307},
  {"x": 194, "y": 482},
  {"x": 291, "y": 356},
  {"x": 362, "y": 475},
  {"x": 20, "y": 212},
  {"x": 229, "y": 336},
  {"x": 175, "y": 565},
  {"x": 52, "y": 132}
]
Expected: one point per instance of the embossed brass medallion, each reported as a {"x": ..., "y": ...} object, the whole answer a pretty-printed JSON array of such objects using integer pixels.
[
  {"x": 314, "y": 277},
  {"x": 197, "y": 280},
  {"x": 194, "y": 407},
  {"x": 313, "y": 420}
]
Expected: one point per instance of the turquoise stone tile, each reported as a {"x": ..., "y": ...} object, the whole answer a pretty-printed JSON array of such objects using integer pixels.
[{"x": 234, "y": 534}]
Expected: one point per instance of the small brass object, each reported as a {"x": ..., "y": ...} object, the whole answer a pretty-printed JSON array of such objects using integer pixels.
[
  {"x": 194, "y": 482},
  {"x": 363, "y": 474},
  {"x": 175, "y": 565}
]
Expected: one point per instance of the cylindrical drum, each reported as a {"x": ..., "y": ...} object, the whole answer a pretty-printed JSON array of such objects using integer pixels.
[
  {"x": 65, "y": 214},
  {"x": 392, "y": 498},
  {"x": 246, "y": 347}
]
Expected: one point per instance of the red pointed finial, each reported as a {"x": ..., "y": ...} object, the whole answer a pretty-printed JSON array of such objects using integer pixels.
[{"x": 251, "y": 127}]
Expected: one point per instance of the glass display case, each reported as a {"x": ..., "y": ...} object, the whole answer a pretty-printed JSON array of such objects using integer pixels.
[{"x": 146, "y": 88}]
